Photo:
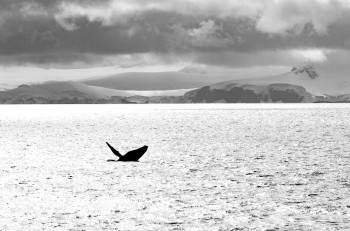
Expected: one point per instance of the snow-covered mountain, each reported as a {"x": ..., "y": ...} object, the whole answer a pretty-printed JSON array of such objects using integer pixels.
[
  {"x": 314, "y": 80},
  {"x": 302, "y": 84}
]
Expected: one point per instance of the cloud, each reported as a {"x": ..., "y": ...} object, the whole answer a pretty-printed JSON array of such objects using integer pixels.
[
  {"x": 312, "y": 55},
  {"x": 108, "y": 14},
  {"x": 81, "y": 29},
  {"x": 292, "y": 16},
  {"x": 209, "y": 35},
  {"x": 242, "y": 59},
  {"x": 74, "y": 60},
  {"x": 272, "y": 16}
]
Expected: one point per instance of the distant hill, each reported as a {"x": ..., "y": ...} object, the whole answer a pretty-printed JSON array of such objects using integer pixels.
[
  {"x": 74, "y": 92},
  {"x": 65, "y": 89},
  {"x": 244, "y": 93}
]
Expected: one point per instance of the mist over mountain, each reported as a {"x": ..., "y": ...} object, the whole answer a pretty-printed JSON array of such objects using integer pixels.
[
  {"x": 156, "y": 81},
  {"x": 194, "y": 70}
]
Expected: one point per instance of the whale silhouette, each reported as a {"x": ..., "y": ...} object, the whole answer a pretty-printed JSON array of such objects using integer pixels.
[{"x": 133, "y": 155}]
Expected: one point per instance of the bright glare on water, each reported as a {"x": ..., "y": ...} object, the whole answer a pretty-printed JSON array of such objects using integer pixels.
[{"x": 208, "y": 167}]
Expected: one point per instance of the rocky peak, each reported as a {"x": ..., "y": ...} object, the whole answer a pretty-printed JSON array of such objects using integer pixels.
[
  {"x": 309, "y": 69},
  {"x": 23, "y": 85}
]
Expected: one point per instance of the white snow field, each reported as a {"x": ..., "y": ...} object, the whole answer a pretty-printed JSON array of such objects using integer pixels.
[{"x": 208, "y": 167}]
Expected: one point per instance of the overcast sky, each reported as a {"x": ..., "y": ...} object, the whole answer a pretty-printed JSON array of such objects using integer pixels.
[{"x": 49, "y": 37}]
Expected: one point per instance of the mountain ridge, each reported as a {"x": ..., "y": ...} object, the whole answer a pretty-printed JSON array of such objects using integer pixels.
[
  {"x": 245, "y": 93},
  {"x": 301, "y": 84}
]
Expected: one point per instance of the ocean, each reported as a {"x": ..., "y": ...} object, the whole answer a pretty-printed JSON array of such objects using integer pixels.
[{"x": 208, "y": 167}]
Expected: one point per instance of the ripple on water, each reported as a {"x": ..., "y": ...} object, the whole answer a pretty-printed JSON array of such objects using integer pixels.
[{"x": 209, "y": 167}]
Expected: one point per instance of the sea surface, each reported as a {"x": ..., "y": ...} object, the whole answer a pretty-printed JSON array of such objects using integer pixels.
[{"x": 208, "y": 167}]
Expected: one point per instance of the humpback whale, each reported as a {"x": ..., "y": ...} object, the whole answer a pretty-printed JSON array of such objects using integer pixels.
[{"x": 133, "y": 155}]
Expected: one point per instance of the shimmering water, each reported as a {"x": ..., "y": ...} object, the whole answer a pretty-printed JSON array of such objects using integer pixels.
[{"x": 209, "y": 167}]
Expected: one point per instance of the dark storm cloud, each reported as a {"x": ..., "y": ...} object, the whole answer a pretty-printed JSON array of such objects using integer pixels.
[
  {"x": 43, "y": 34},
  {"x": 48, "y": 60},
  {"x": 46, "y": 29}
]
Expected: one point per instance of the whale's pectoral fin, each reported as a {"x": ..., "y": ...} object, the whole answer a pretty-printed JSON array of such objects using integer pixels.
[{"x": 114, "y": 151}]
